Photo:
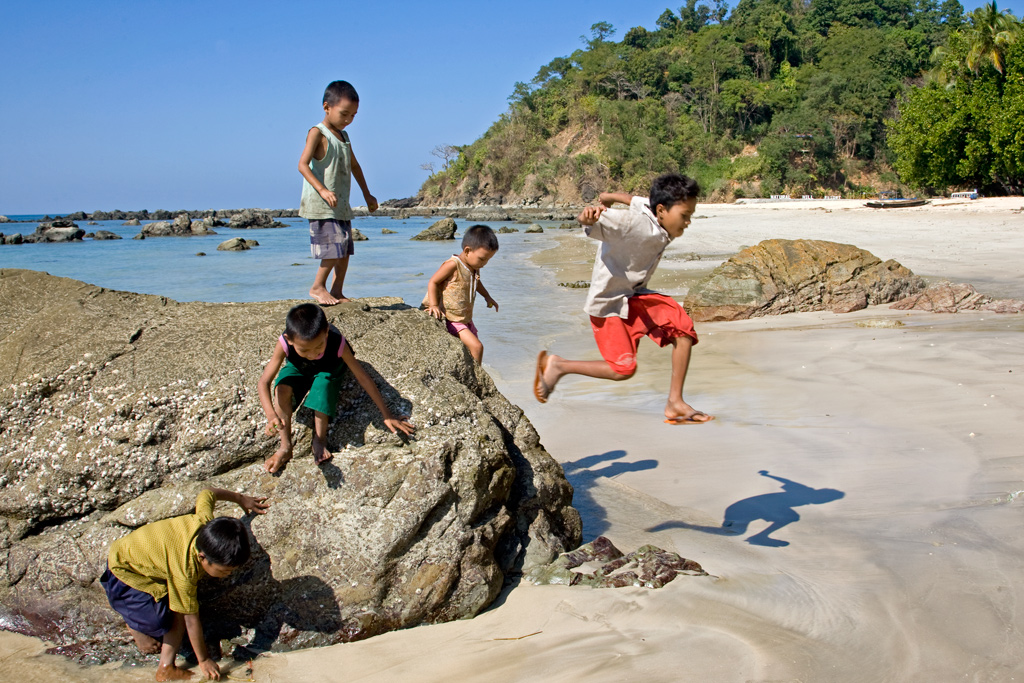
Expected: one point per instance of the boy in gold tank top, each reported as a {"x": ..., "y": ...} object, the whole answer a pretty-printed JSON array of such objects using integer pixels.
[
  {"x": 453, "y": 288},
  {"x": 327, "y": 166}
]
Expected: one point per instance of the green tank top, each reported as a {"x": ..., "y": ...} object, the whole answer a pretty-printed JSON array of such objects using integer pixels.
[{"x": 335, "y": 172}]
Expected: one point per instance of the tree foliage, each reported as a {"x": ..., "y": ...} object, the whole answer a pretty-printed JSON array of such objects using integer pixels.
[{"x": 779, "y": 95}]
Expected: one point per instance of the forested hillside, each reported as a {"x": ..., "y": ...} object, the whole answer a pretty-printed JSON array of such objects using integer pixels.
[{"x": 776, "y": 96}]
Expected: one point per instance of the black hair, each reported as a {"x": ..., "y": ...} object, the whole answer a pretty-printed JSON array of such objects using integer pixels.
[
  {"x": 340, "y": 90},
  {"x": 480, "y": 237},
  {"x": 305, "y": 322},
  {"x": 224, "y": 541},
  {"x": 671, "y": 189}
]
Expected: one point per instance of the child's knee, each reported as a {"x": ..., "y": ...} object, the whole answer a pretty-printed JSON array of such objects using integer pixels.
[{"x": 621, "y": 375}]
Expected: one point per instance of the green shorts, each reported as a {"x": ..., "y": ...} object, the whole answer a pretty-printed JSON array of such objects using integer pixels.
[{"x": 320, "y": 391}]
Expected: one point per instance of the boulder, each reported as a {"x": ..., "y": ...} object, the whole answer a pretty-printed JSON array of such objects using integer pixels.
[
  {"x": 159, "y": 229},
  {"x": 533, "y": 229},
  {"x": 92, "y": 223},
  {"x": 13, "y": 238},
  {"x": 945, "y": 297},
  {"x": 358, "y": 236},
  {"x": 200, "y": 228},
  {"x": 253, "y": 218},
  {"x": 786, "y": 276},
  {"x": 113, "y": 417},
  {"x": 131, "y": 221},
  {"x": 443, "y": 229},
  {"x": 182, "y": 224},
  {"x": 105, "y": 235},
  {"x": 388, "y": 231},
  {"x": 505, "y": 230},
  {"x": 569, "y": 225},
  {"x": 58, "y": 230},
  {"x": 4, "y": 219},
  {"x": 237, "y": 244}
]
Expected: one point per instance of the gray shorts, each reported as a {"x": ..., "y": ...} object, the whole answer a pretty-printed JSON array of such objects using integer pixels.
[{"x": 330, "y": 238}]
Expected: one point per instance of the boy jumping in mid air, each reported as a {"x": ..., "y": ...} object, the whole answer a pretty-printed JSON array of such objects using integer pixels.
[
  {"x": 314, "y": 356},
  {"x": 327, "y": 166},
  {"x": 621, "y": 308},
  {"x": 452, "y": 289},
  {"x": 152, "y": 574}
]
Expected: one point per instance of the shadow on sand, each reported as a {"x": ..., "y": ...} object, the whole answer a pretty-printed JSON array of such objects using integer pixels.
[
  {"x": 774, "y": 508},
  {"x": 583, "y": 476}
]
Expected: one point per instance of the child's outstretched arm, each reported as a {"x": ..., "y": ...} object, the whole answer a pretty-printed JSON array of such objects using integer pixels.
[
  {"x": 195, "y": 635},
  {"x": 357, "y": 173},
  {"x": 390, "y": 421},
  {"x": 610, "y": 198},
  {"x": 312, "y": 144},
  {"x": 274, "y": 422},
  {"x": 491, "y": 303},
  {"x": 435, "y": 302},
  {"x": 589, "y": 215},
  {"x": 253, "y": 505}
]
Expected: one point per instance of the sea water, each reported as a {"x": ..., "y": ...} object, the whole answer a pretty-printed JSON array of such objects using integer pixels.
[{"x": 533, "y": 311}]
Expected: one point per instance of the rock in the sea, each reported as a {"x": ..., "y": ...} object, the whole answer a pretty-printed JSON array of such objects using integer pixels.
[
  {"x": 4, "y": 219},
  {"x": 647, "y": 567},
  {"x": 946, "y": 297},
  {"x": 161, "y": 229},
  {"x": 786, "y": 276},
  {"x": 388, "y": 231},
  {"x": 569, "y": 225},
  {"x": 533, "y": 229},
  {"x": 358, "y": 236},
  {"x": 237, "y": 244},
  {"x": 131, "y": 221},
  {"x": 112, "y": 416},
  {"x": 443, "y": 229},
  {"x": 254, "y": 218},
  {"x": 505, "y": 230},
  {"x": 182, "y": 224},
  {"x": 58, "y": 230},
  {"x": 14, "y": 238},
  {"x": 105, "y": 235}
]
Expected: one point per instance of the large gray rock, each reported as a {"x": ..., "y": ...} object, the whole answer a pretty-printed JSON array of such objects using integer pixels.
[
  {"x": 112, "y": 416},
  {"x": 4, "y": 219},
  {"x": 14, "y": 238},
  {"x": 105, "y": 235},
  {"x": 443, "y": 229},
  {"x": 160, "y": 229},
  {"x": 358, "y": 236},
  {"x": 237, "y": 244},
  {"x": 254, "y": 218},
  {"x": 786, "y": 276},
  {"x": 533, "y": 229},
  {"x": 131, "y": 221},
  {"x": 58, "y": 230}
]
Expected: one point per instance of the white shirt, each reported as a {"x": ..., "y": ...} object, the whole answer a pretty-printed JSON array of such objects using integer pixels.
[{"x": 632, "y": 243}]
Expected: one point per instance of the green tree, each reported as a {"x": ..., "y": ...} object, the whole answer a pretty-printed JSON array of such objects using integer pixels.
[{"x": 990, "y": 34}]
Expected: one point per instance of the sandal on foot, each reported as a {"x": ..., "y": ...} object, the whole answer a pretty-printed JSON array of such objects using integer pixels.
[{"x": 689, "y": 420}]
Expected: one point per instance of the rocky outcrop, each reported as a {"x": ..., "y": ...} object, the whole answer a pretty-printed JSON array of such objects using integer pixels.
[
  {"x": 253, "y": 218},
  {"x": 533, "y": 229},
  {"x": 14, "y": 238},
  {"x": 946, "y": 297},
  {"x": 114, "y": 413},
  {"x": 132, "y": 222},
  {"x": 105, "y": 235},
  {"x": 388, "y": 231},
  {"x": 505, "y": 230},
  {"x": 647, "y": 567},
  {"x": 443, "y": 229},
  {"x": 786, "y": 276},
  {"x": 358, "y": 236},
  {"x": 57, "y": 230},
  {"x": 4, "y": 219},
  {"x": 237, "y": 244}
]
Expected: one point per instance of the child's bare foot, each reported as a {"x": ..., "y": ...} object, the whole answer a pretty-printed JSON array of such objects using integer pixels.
[
  {"x": 146, "y": 644},
  {"x": 546, "y": 376},
  {"x": 681, "y": 413},
  {"x": 337, "y": 294},
  {"x": 278, "y": 459},
  {"x": 320, "y": 452},
  {"x": 322, "y": 296},
  {"x": 172, "y": 673}
]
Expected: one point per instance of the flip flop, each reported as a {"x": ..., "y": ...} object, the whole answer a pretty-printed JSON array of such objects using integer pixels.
[
  {"x": 541, "y": 390},
  {"x": 689, "y": 420}
]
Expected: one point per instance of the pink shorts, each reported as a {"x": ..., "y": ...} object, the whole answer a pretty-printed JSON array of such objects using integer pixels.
[
  {"x": 651, "y": 315},
  {"x": 455, "y": 328}
]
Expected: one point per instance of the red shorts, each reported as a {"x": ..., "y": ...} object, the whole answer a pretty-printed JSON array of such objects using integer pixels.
[{"x": 656, "y": 316}]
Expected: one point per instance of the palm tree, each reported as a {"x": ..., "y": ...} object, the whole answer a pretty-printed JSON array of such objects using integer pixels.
[{"x": 990, "y": 33}]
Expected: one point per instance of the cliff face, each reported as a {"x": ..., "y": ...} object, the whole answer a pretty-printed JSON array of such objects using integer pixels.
[{"x": 117, "y": 408}]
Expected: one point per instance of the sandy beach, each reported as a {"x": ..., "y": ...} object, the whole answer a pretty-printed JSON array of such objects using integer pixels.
[{"x": 871, "y": 463}]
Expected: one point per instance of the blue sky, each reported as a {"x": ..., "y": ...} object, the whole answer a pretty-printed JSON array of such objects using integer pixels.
[{"x": 198, "y": 105}]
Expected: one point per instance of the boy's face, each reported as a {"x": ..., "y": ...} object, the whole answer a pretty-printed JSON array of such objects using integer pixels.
[
  {"x": 676, "y": 219},
  {"x": 477, "y": 258},
  {"x": 310, "y": 349},
  {"x": 341, "y": 113},
  {"x": 217, "y": 571}
]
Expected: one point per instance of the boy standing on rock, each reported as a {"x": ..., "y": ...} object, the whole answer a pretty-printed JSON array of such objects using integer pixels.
[
  {"x": 152, "y": 574},
  {"x": 327, "y": 166},
  {"x": 621, "y": 308}
]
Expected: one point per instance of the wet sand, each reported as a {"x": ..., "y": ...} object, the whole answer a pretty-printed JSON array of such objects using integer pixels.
[{"x": 870, "y": 463}]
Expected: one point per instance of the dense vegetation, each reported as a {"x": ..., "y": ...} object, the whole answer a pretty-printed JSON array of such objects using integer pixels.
[{"x": 776, "y": 96}]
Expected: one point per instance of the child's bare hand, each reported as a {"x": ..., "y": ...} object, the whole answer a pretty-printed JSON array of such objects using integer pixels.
[
  {"x": 590, "y": 214},
  {"x": 402, "y": 423},
  {"x": 210, "y": 669},
  {"x": 491, "y": 303},
  {"x": 371, "y": 202},
  {"x": 274, "y": 426},
  {"x": 329, "y": 197},
  {"x": 436, "y": 311},
  {"x": 254, "y": 505},
  {"x": 607, "y": 199}
]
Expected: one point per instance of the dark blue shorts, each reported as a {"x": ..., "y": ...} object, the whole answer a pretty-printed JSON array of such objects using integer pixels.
[{"x": 139, "y": 609}]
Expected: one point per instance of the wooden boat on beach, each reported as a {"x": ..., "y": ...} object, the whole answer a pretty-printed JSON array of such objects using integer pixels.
[{"x": 896, "y": 203}]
